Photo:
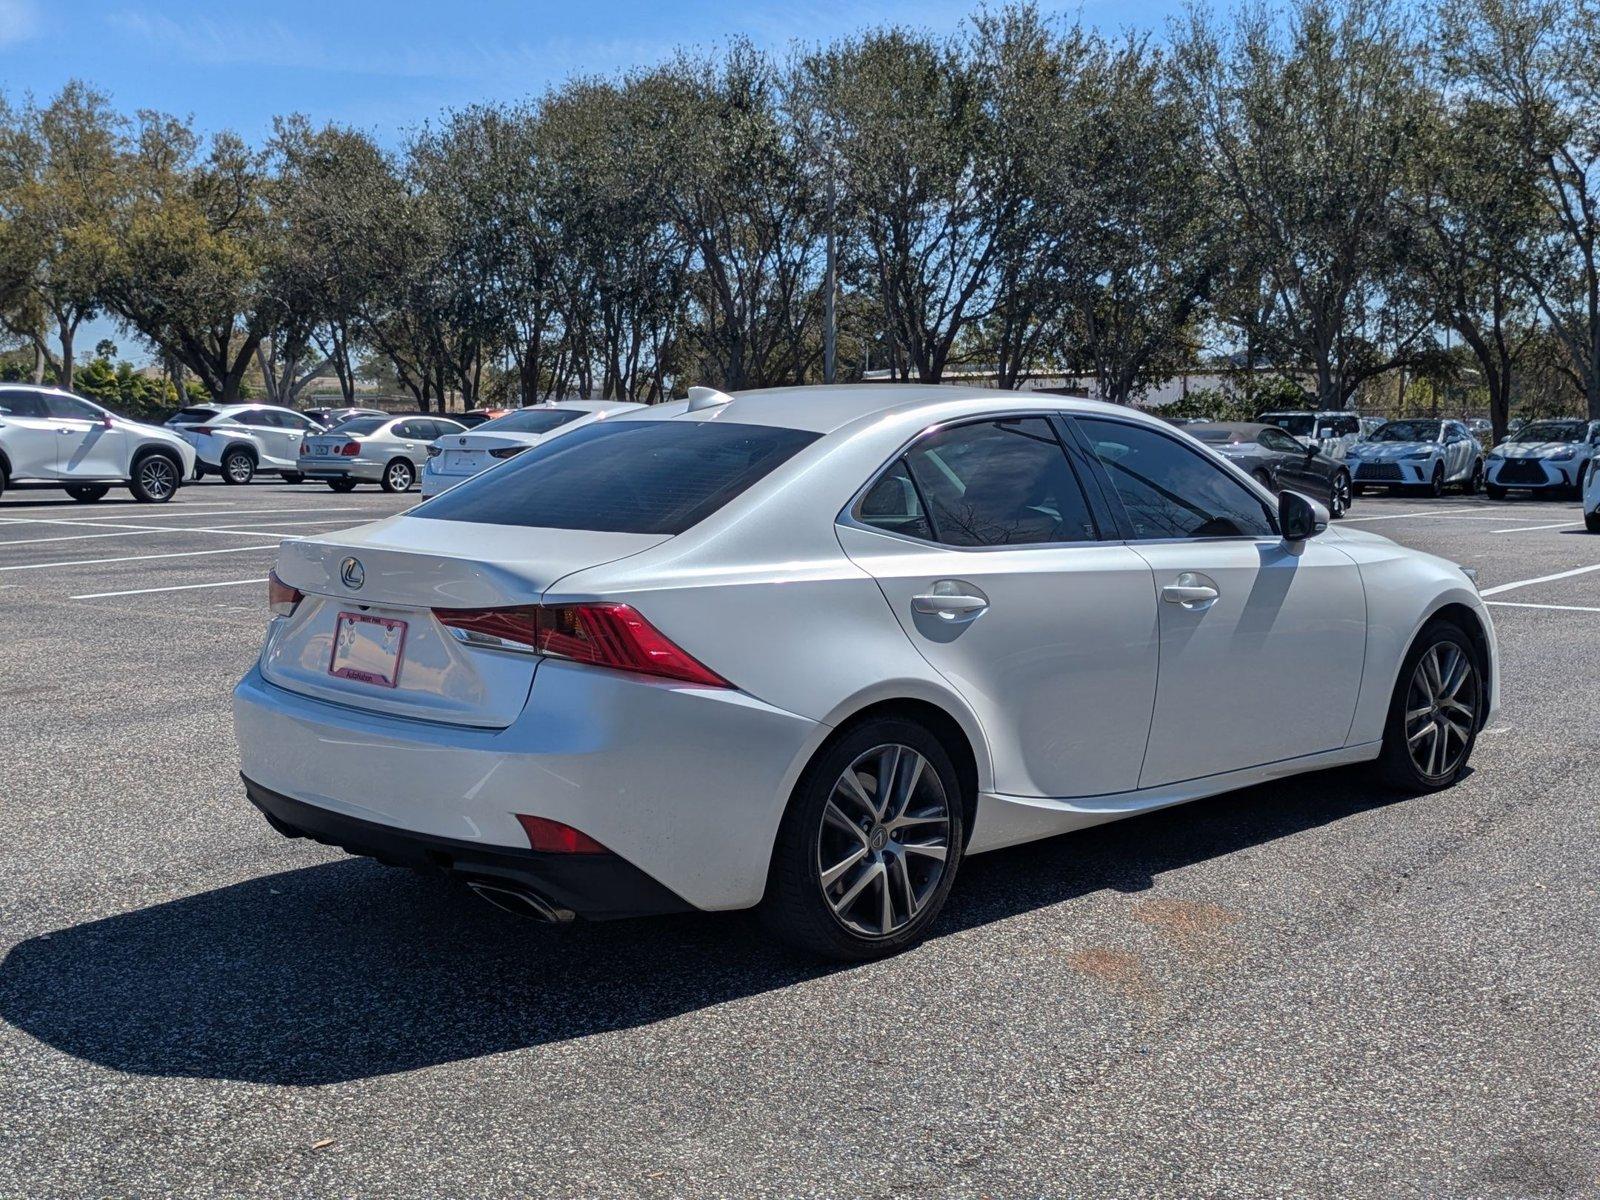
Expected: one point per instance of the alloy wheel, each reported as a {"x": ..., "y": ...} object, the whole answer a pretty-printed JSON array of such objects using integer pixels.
[
  {"x": 884, "y": 841},
  {"x": 240, "y": 468},
  {"x": 400, "y": 477},
  {"x": 1339, "y": 496},
  {"x": 1441, "y": 709},
  {"x": 158, "y": 477}
]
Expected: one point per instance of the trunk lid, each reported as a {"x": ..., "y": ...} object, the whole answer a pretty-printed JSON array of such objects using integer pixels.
[{"x": 403, "y": 568}]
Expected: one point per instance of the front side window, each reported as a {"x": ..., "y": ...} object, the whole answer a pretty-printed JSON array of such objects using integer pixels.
[
  {"x": 659, "y": 477},
  {"x": 1169, "y": 491},
  {"x": 1000, "y": 483},
  {"x": 69, "y": 408}
]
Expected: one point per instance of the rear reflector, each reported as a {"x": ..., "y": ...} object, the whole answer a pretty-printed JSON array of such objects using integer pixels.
[
  {"x": 552, "y": 837},
  {"x": 281, "y": 598},
  {"x": 602, "y": 635}
]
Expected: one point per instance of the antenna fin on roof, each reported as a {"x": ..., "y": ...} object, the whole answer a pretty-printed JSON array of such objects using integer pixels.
[{"x": 704, "y": 397}]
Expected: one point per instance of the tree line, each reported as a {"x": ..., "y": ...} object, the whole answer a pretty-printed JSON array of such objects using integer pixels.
[{"x": 1337, "y": 191}]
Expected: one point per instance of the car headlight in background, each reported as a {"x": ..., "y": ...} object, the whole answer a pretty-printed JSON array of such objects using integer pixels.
[
  {"x": 1563, "y": 455},
  {"x": 1417, "y": 454}
]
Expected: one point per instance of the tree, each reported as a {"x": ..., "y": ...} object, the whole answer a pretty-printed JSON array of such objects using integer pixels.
[
  {"x": 60, "y": 183},
  {"x": 1539, "y": 61},
  {"x": 193, "y": 251},
  {"x": 1311, "y": 125}
]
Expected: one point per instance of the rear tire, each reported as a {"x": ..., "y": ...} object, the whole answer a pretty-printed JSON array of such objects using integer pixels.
[
  {"x": 399, "y": 476},
  {"x": 156, "y": 478},
  {"x": 1339, "y": 492},
  {"x": 293, "y": 477},
  {"x": 1438, "y": 698},
  {"x": 855, "y": 878},
  {"x": 88, "y": 493},
  {"x": 1472, "y": 483},
  {"x": 1591, "y": 522},
  {"x": 342, "y": 485},
  {"x": 238, "y": 467}
]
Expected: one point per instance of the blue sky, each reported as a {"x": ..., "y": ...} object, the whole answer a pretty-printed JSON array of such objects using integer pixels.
[
  {"x": 390, "y": 66},
  {"x": 387, "y": 66}
]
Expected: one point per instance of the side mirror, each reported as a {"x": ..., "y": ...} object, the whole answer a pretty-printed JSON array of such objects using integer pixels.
[
  {"x": 105, "y": 422},
  {"x": 1300, "y": 518}
]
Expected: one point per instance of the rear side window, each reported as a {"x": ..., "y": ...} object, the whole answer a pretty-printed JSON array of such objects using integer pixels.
[
  {"x": 894, "y": 506},
  {"x": 23, "y": 404},
  {"x": 623, "y": 477},
  {"x": 1169, "y": 491},
  {"x": 362, "y": 425},
  {"x": 1000, "y": 483}
]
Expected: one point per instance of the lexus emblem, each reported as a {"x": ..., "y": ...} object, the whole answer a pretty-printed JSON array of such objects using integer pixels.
[
  {"x": 463, "y": 441},
  {"x": 352, "y": 574}
]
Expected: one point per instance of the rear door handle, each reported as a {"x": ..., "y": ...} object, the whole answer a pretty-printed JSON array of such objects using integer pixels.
[{"x": 949, "y": 600}]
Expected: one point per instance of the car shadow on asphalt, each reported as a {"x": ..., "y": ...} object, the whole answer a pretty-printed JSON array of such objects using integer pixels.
[{"x": 348, "y": 970}]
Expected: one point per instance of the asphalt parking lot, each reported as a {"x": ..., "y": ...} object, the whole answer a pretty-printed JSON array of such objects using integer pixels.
[{"x": 1304, "y": 989}]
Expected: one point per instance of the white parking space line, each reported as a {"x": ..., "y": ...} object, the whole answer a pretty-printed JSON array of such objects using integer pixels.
[
  {"x": 135, "y": 530},
  {"x": 1554, "y": 607},
  {"x": 1531, "y": 528},
  {"x": 1448, "y": 516},
  {"x": 177, "y": 587},
  {"x": 1521, "y": 583},
  {"x": 113, "y": 518},
  {"x": 93, "y": 562}
]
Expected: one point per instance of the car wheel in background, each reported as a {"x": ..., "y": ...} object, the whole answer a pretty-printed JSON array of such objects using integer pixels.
[
  {"x": 399, "y": 475},
  {"x": 238, "y": 467},
  {"x": 1435, "y": 486},
  {"x": 1493, "y": 492},
  {"x": 342, "y": 485},
  {"x": 293, "y": 477},
  {"x": 869, "y": 845},
  {"x": 1591, "y": 521},
  {"x": 1434, "y": 713},
  {"x": 155, "y": 478},
  {"x": 88, "y": 493},
  {"x": 1474, "y": 482},
  {"x": 1583, "y": 477},
  {"x": 1339, "y": 496},
  {"x": 1263, "y": 479}
]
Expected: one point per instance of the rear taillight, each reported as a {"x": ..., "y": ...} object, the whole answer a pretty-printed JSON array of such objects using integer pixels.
[
  {"x": 350, "y": 449},
  {"x": 433, "y": 452},
  {"x": 205, "y": 429},
  {"x": 304, "y": 449},
  {"x": 507, "y": 452},
  {"x": 552, "y": 837},
  {"x": 602, "y": 635},
  {"x": 281, "y": 598}
]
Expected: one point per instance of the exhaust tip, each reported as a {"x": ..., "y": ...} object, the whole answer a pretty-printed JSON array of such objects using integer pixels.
[{"x": 520, "y": 902}]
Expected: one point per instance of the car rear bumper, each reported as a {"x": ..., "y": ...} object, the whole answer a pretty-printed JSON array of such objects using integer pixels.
[
  {"x": 436, "y": 481},
  {"x": 350, "y": 468},
  {"x": 595, "y": 886},
  {"x": 686, "y": 784}
]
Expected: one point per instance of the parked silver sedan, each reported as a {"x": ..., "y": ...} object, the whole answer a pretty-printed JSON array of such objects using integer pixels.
[{"x": 388, "y": 451}]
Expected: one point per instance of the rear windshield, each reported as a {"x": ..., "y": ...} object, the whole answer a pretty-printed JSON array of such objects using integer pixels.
[
  {"x": 531, "y": 420},
  {"x": 623, "y": 477},
  {"x": 192, "y": 416},
  {"x": 359, "y": 425}
]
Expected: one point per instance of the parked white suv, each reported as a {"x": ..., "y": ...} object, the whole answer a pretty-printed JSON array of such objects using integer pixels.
[
  {"x": 241, "y": 441},
  {"x": 53, "y": 439}
]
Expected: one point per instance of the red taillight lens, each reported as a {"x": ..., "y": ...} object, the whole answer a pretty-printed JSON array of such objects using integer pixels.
[
  {"x": 281, "y": 598},
  {"x": 507, "y": 452},
  {"x": 350, "y": 449},
  {"x": 304, "y": 449},
  {"x": 552, "y": 837},
  {"x": 602, "y": 635}
]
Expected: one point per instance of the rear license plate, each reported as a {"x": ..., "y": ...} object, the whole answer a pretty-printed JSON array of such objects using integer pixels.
[
  {"x": 368, "y": 649},
  {"x": 319, "y": 449},
  {"x": 459, "y": 460}
]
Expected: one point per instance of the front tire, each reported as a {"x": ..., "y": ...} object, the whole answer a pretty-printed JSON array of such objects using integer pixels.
[
  {"x": 1435, "y": 486},
  {"x": 238, "y": 467},
  {"x": 155, "y": 479},
  {"x": 869, "y": 846},
  {"x": 1435, "y": 712},
  {"x": 399, "y": 475},
  {"x": 1591, "y": 521},
  {"x": 88, "y": 493}
]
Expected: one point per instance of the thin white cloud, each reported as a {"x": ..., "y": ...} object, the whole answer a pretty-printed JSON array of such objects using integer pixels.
[{"x": 19, "y": 21}]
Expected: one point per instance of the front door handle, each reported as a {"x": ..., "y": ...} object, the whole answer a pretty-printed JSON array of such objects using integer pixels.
[
  {"x": 1190, "y": 590},
  {"x": 950, "y": 600}
]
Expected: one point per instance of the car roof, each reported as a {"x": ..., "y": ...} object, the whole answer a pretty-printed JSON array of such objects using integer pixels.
[{"x": 824, "y": 408}]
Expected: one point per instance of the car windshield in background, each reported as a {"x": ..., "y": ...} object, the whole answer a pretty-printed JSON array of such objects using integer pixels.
[
  {"x": 1550, "y": 431},
  {"x": 1407, "y": 431},
  {"x": 623, "y": 477},
  {"x": 1214, "y": 437},
  {"x": 530, "y": 420},
  {"x": 1298, "y": 424},
  {"x": 360, "y": 425}
]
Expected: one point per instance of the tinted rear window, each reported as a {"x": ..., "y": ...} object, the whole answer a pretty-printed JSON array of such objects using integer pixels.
[
  {"x": 531, "y": 420},
  {"x": 359, "y": 425},
  {"x": 623, "y": 477}
]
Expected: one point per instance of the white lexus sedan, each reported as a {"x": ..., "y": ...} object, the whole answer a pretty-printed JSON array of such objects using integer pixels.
[
  {"x": 460, "y": 456},
  {"x": 806, "y": 649},
  {"x": 1423, "y": 455}
]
